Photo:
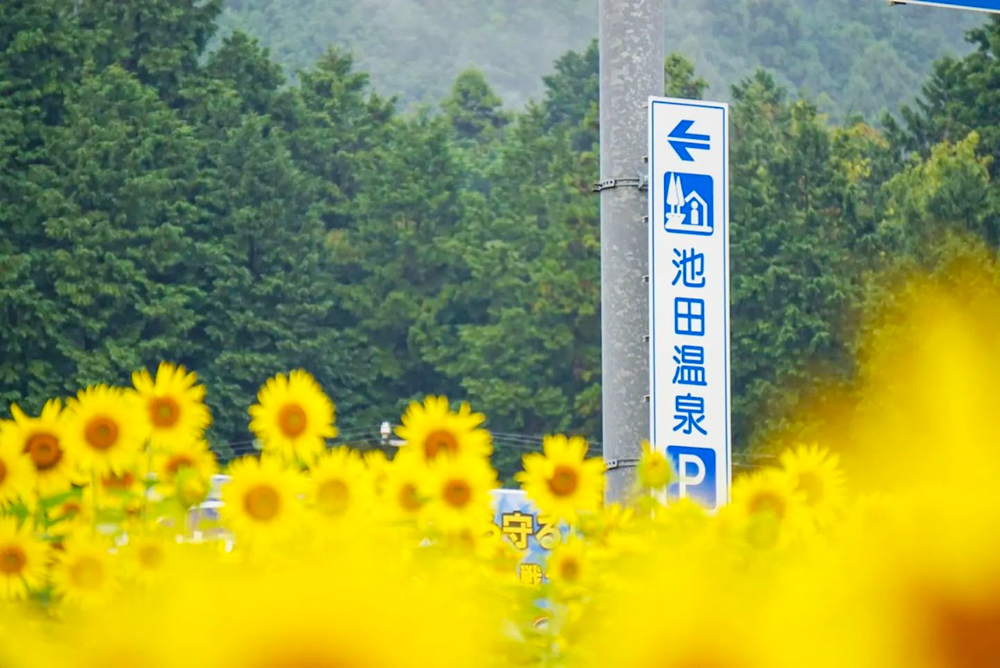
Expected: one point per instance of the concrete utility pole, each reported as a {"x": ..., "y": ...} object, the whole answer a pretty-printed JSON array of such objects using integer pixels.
[{"x": 632, "y": 54}]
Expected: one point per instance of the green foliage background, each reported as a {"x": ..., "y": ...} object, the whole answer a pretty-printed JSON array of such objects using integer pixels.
[{"x": 166, "y": 200}]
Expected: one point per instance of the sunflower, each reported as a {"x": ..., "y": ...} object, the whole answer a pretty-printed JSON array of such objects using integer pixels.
[
  {"x": 147, "y": 557},
  {"x": 769, "y": 505},
  {"x": 815, "y": 473},
  {"x": 105, "y": 431},
  {"x": 84, "y": 571},
  {"x": 124, "y": 491},
  {"x": 341, "y": 486},
  {"x": 457, "y": 490},
  {"x": 561, "y": 481},
  {"x": 432, "y": 429},
  {"x": 260, "y": 502},
  {"x": 377, "y": 464},
  {"x": 43, "y": 440},
  {"x": 193, "y": 455},
  {"x": 73, "y": 514},
  {"x": 191, "y": 487},
  {"x": 22, "y": 560},
  {"x": 401, "y": 489},
  {"x": 15, "y": 470},
  {"x": 498, "y": 555},
  {"x": 569, "y": 566},
  {"x": 292, "y": 416},
  {"x": 613, "y": 529},
  {"x": 174, "y": 405},
  {"x": 654, "y": 469}
]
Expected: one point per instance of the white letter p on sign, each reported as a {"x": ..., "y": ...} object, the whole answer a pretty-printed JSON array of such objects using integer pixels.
[{"x": 684, "y": 480}]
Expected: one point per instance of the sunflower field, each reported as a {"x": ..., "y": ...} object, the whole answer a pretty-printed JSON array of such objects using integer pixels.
[{"x": 871, "y": 541}]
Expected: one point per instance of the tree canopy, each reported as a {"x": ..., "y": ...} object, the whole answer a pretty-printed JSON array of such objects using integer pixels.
[{"x": 169, "y": 200}]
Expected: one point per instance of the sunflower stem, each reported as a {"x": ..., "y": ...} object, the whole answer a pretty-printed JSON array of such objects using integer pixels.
[
  {"x": 146, "y": 486},
  {"x": 93, "y": 501}
]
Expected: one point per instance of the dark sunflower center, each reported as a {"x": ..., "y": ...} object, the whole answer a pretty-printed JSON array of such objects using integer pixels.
[
  {"x": 306, "y": 657},
  {"x": 569, "y": 569},
  {"x": 457, "y": 493},
  {"x": 164, "y": 412},
  {"x": 333, "y": 497},
  {"x": 101, "y": 432},
  {"x": 292, "y": 420},
  {"x": 118, "y": 483},
  {"x": 3, "y": 471},
  {"x": 71, "y": 509},
  {"x": 176, "y": 462},
  {"x": 151, "y": 556},
  {"x": 12, "y": 560},
  {"x": 564, "y": 480},
  {"x": 44, "y": 451},
  {"x": 965, "y": 634},
  {"x": 262, "y": 503},
  {"x": 440, "y": 441},
  {"x": 408, "y": 497},
  {"x": 768, "y": 502}
]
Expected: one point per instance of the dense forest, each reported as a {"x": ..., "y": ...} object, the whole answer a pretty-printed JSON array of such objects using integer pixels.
[
  {"x": 168, "y": 199},
  {"x": 849, "y": 56}
]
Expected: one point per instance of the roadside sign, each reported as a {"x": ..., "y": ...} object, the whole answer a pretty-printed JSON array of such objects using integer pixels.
[
  {"x": 689, "y": 295},
  {"x": 532, "y": 533},
  {"x": 975, "y": 5}
]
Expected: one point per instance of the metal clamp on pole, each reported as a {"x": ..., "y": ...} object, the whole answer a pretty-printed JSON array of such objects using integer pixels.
[
  {"x": 641, "y": 182},
  {"x": 621, "y": 463}
]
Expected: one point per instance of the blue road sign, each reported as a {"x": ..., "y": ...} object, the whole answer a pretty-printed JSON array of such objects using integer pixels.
[
  {"x": 683, "y": 141},
  {"x": 688, "y": 203},
  {"x": 689, "y": 294},
  {"x": 992, "y": 6},
  {"x": 696, "y": 474}
]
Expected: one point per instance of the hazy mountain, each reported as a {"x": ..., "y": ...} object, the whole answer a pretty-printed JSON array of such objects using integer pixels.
[{"x": 852, "y": 56}]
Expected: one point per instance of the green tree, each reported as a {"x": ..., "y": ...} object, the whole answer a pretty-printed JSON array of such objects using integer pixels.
[
  {"x": 41, "y": 54},
  {"x": 961, "y": 96},
  {"x": 160, "y": 41},
  {"x": 474, "y": 109},
  {"x": 247, "y": 68},
  {"x": 949, "y": 192},
  {"x": 268, "y": 292},
  {"x": 680, "y": 80},
  {"x": 118, "y": 209},
  {"x": 796, "y": 266}
]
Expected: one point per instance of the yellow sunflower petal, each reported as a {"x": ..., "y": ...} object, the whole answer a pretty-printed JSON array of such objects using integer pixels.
[
  {"x": 173, "y": 405},
  {"x": 104, "y": 429},
  {"x": 561, "y": 481},
  {"x": 431, "y": 429},
  {"x": 22, "y": 560},
  {"x": 293, "y": 418},
  {"x": 43, "y": 440}
]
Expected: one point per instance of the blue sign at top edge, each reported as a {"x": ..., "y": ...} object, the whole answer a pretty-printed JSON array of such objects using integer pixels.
[{"x": 975, "y": 5}]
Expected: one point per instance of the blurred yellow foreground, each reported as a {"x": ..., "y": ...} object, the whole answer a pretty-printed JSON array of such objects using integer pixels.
[{"x": 875, "y": 543}]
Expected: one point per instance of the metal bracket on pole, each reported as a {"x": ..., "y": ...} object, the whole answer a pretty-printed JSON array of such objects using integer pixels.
[
  {"x": 622, "y": 463},
  {"x": 641, "y": 182}
]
